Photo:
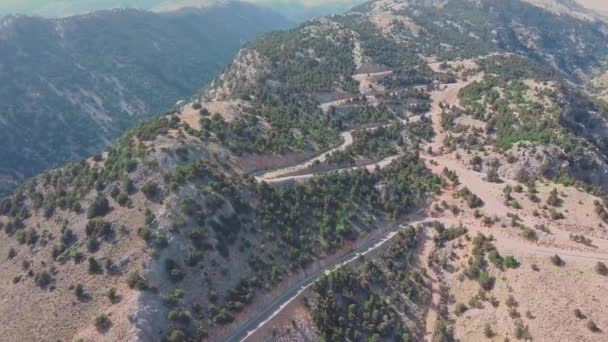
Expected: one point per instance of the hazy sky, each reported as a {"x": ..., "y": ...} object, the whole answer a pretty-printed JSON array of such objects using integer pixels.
[
  {"x": 68, "y": 7},
  {"x": 30, "y": 6}
]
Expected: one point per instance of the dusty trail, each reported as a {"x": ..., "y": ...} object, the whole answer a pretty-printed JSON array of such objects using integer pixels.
[
  {"x": 491, "y": 193},
  {"x": 432, "y": 311}
]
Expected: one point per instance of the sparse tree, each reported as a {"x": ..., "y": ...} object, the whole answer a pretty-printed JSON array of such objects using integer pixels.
[
  {"x": 553, "y": 198},
  {"x": 601, "y": 268},
  {"x": 557, "y": 261}
]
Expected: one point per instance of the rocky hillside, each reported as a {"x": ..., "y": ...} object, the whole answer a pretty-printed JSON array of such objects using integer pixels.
[
  {"x": 70, "y": 87},
  {"x": 312, "y": 150}
]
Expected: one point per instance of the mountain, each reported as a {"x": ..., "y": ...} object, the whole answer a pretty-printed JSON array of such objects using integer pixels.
[
  {"x": 410, "y": 170},
  {"x": 297, "y": 10},
  {"x": 71, "y": 86}
]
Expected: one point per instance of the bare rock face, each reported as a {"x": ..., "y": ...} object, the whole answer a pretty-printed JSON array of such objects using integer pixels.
[{"x": 247, "y": 69}]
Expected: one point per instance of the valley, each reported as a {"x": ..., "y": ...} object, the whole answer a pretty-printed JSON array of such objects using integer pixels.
[{"x": 69, "y": 90}]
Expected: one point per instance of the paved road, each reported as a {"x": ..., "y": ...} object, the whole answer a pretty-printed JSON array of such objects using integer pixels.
[
  {"x": 278, "y": 176},
  {"x": 276, "y": 306},
  {"x": 468, "y": 177}
]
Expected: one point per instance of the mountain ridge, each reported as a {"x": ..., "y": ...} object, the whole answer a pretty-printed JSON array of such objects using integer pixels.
[{"x": 91, "y": 100}]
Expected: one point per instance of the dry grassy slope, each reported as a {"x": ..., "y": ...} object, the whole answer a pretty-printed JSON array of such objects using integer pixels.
[
  {"x": 597, "y": 5},
  {"x": 546, "y": 297},
  {"x": 55, "y": 312},
  {"x": 546, "y": 294}
]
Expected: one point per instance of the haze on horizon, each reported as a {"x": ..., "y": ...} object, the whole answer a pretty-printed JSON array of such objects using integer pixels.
[
  {"x": 63, "y": 8},
  {"x": 296, "y": 10}
]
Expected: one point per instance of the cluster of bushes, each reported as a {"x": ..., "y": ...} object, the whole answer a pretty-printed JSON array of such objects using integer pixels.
[
  {"x": 500, "y": 262},
  {"x": 472, "y": 200},
  {"x": 477, "y": 265},
  {"x": 451, "y": 175},
  {"x": 600, "y": 209},
  {"x": 443, "y": 235},
  {"x": 581, "y": 239}
]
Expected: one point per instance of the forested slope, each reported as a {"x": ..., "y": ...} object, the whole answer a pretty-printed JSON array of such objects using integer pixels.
[{"x": 69, "y": 87}]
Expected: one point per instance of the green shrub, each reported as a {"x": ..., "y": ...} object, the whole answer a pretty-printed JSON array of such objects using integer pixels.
[
  {"x": 43, "y": 279},
  {"x": 103, "y": 322},
  {"x": 460, "y": 309},
  {"x": 556, "y": 215},
  {"x": 92, "y": 245},
  {"x": 99, "y": 207},
  {"x": 553, "y": 199},
  {"x": 76, "y": 207},
  {"x": 94, "y": 266},
  {"x": 98, "y": 228},
  {"x": 174, "y": 297},
  {"x": 511, "y": 262},
  {"x": 496, "y": 259},
  {"x": 486, "y": 281},
  {"x": 122, "y": 199},
  {"x": 135, "y": 281},
  {"x": 112, "y": 294},
  {"x": 150, "y": 189},
  {"x": 223, "y": 317},
  {"x": 27, "y": 236},
  {"x": 79, "y": 291},
  {"x": 511, "y": 302},
  {"x": 487, "y": 331},
  {"x": 176, "y": 336},
  {"x": 522, "y": 332},
  {"x": 529, "y": 234},
  {"x": 174, "y": 270}
]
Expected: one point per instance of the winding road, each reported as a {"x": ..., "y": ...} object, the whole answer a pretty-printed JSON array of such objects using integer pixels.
[
  {"x": 273, "y": 308},
  {"x": 276, "y": 306},
  {"x": 472, "y": 179},
  {"x": 282, "y": 175}
]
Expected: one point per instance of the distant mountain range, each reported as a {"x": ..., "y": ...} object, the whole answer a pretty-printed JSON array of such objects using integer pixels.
[
  {"x": 298, "y": 10},
  {"x": 69, "y": 87}
]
